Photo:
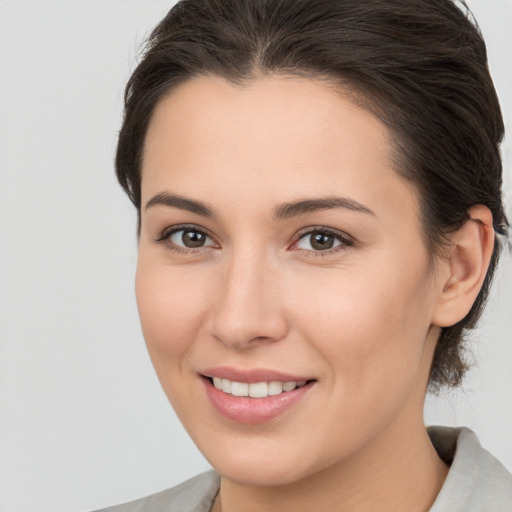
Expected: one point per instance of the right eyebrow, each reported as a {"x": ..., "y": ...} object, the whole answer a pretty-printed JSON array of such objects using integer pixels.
[{"x": 182, "y": 203}]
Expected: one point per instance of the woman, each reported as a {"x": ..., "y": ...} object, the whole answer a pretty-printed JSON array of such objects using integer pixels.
[{"x": 319, "y": 196}]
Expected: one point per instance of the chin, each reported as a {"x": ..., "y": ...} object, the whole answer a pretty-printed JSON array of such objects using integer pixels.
[
  {"x": 261, "y": 475},
  {"x": 261, "y": 464}
]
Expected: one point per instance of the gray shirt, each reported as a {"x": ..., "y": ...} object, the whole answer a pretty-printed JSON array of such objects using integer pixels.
[{"x": 476, "y": 482}]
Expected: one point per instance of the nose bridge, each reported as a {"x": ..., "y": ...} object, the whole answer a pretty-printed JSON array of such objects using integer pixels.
[{"x": 248, "y": 306}]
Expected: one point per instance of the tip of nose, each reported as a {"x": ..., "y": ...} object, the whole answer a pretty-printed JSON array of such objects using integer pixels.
[
  {"x": 239, "y": 335},
  {"x": 244, "y": 341},
  {"x": 247, "y": 315}
]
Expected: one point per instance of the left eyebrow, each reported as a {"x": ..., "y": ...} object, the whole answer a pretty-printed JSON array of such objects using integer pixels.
[{"x": 287, "y": 210}]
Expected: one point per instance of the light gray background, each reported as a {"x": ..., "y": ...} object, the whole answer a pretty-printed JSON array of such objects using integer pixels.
[{"x": 83, "y": 421}]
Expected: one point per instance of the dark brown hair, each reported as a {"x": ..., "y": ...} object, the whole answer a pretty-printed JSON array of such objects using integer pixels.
[{"x": 420, "y": 66}]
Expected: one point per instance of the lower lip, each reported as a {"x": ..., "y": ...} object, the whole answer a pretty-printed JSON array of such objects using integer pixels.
[{"x": 253, "y": 411}]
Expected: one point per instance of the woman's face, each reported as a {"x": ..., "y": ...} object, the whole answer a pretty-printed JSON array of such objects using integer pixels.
[{"x": 279, "y": 245}]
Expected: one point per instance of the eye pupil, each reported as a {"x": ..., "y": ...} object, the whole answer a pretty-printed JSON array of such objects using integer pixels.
[
  {"x": 322, "y": 241},
  {"x": 193, "y": 239}
]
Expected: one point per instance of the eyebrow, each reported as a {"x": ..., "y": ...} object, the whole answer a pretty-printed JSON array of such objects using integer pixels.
[
  {"x": 182, "y": 203},
  {"x": 296, "y": 208},
  {"x": 282, "y": 211}
]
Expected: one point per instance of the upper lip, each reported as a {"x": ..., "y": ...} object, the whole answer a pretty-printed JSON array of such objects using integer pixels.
[{"x": 252, "y": 375}]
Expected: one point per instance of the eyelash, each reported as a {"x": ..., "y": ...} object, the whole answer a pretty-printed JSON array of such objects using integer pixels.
[
  {"x": 166, "y": 234},
  {"x": 345, "y": 240}
]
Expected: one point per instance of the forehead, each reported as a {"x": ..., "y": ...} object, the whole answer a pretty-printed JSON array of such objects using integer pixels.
[
  {"x": 277, "y": 135},
  {"x": 271, "y": 110}
]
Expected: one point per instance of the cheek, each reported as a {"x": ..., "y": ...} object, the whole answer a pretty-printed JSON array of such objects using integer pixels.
[
  {"x": 170, "y": 304},
  {"x": 369, "y": 329},
  {"x": 369, "y": 323}
]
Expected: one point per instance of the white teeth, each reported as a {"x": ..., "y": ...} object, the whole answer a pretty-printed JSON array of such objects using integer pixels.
[
  {"x": 240, "y": 389},
  {"x": 275, "y": 388},
  {"x": 289, "y": 386},
  {"x": 226, "y": 386},
  {"x": 256, "y": 389}
]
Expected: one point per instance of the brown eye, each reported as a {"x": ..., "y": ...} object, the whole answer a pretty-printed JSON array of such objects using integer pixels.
[
  {"x": 190, "y": 238},
  {"x": 319, "y": 240},
  {"x": 193, "y": 239}
]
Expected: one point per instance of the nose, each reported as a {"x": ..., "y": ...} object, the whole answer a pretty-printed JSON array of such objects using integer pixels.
[{"x": 248, "y": 308}]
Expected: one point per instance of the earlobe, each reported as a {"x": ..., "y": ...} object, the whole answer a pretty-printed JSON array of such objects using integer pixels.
[{"x": 467, "y": 262}]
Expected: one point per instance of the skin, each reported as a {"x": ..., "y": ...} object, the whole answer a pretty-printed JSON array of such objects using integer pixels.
[{"x": 362, "y": 318}]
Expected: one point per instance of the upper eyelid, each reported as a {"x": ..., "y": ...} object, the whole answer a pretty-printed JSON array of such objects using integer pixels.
[
  {"x": 165, "y": 238},
  {"x": 183, "y": 227},
  {"x": 323, "y": 229}
]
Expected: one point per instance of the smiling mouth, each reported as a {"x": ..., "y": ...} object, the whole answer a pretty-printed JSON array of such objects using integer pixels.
[
  {"x": 257, "y": 401},
  {"x": 255, "y": 389}
]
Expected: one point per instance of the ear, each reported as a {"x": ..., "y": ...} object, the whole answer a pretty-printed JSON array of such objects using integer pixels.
[{"x": 465, "y": 267}]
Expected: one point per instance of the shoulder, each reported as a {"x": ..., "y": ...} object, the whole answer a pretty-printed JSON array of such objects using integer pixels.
[
  {"x": 194, "y": 495},
  {"x": 477, "y": 481}
]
